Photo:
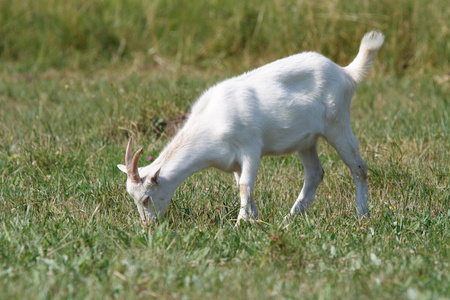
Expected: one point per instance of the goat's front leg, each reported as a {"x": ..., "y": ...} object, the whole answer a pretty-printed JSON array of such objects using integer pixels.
[{"x": 248, "y": 210}]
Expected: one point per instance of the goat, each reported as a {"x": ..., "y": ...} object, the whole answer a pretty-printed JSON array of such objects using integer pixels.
[{"x": 279, "y": 108}]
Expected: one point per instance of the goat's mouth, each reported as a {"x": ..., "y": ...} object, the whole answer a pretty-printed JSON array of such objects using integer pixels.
[
  {"x": 149, "y": 218},
  {"x": 146, "y": 221}
]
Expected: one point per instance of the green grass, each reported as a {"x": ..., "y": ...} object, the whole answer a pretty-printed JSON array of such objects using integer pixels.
[{"x": 90, "y": 74}]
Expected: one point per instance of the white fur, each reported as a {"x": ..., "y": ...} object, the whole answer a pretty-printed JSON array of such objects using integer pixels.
[{"x": 282, "y": 107}]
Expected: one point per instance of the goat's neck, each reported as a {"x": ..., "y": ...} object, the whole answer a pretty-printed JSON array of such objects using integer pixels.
[{"x": 181, "y": 158}]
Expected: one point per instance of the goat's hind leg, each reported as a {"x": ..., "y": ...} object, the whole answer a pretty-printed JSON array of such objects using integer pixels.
[
  {"x": 313, "y": 177},
  {"x": 347, "y": 148}
]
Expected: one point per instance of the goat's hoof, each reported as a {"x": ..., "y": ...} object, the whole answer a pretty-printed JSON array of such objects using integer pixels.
[
  {"x": 363, "y": 216},
  {"x": 238, "y": 222},
  {"x": 247, "y": 215},
  {"x": 246, "y": 219},
  {"x": 287, "y": 219}
]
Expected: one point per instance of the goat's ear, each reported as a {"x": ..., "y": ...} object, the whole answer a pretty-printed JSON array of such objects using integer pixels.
[
  {"x": 155, "y": 178},
  {"x": 122, "y": 168}
]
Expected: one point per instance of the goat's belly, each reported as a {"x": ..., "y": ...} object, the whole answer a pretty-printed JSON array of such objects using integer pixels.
[
  {"x": 288, "y": 143},
  {"x": 226, "y": 161},
  {"x": 229, "y": 168}
]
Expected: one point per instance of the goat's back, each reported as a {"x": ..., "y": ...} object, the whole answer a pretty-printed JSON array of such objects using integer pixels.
[{"x": 281, "y": 106}]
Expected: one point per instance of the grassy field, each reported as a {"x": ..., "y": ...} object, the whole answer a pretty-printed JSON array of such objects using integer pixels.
[{"x": 77, "y": 78}]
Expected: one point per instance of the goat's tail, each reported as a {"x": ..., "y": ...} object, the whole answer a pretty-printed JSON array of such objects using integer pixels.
[{"x": 360, "y": 66}]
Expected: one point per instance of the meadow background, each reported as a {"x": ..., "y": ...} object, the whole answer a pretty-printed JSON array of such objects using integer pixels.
[{"x": 77, "y": 78}]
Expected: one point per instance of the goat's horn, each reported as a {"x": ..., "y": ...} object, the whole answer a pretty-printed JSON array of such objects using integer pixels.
[
  {"x": 128, "y": 154},
  {"x": 133, "y": 172},
  {"x": 132, "y": 164}
]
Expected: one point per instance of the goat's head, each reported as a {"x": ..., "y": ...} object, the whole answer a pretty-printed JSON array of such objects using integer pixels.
[{"x": 146, "y": 189}]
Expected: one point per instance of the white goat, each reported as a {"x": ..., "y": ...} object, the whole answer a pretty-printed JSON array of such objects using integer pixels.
[{"x": 282, "y": 107}]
